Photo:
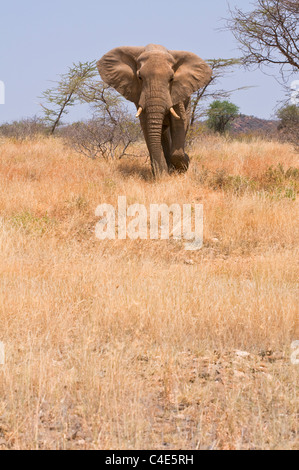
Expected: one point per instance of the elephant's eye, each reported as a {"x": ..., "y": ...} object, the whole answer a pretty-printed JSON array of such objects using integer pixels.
[
  {"x": 139, "y": 76},
  {"x": 171, "y": 80}
]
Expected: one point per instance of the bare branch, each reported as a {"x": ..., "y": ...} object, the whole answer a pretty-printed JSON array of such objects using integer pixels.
[{"x": 268, "y": 35}]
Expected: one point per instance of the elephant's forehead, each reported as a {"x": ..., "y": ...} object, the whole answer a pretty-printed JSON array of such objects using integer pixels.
[
  {"x": 155, "y": 47},
  {"x": 156, "y": 57}
]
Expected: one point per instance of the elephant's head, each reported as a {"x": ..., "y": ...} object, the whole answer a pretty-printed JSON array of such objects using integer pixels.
[{"x": 155, "y": 79}]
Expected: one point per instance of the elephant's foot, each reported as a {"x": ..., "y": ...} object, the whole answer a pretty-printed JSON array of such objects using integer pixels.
[
  {"x": 159, "y": 168},
  {"x": 178, "y": 163}
]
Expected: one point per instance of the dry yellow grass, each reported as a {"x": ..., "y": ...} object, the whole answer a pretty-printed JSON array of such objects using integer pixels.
[{"x": 132, "y": 345}]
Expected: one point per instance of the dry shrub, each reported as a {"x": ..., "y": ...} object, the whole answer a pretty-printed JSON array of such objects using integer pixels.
[
  {"x": 29, "y": 128},
  {"x": 97, "y": 138}
]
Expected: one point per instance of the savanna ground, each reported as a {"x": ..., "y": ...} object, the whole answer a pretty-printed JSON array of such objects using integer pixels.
[{"x": 133, "y": 344}]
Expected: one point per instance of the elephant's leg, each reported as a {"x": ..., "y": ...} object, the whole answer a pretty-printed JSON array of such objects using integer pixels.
[
  {"x": 179, "y": 160},
  {"x": 166, "y": 145}
]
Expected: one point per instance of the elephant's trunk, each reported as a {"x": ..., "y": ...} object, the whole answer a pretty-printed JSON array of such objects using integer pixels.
[{"x": 155, "y": 112}]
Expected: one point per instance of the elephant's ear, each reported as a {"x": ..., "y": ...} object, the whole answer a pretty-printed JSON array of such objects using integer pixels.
[
  {"x": 118, "y": 69},
  {"x": 191, "y": 73}
]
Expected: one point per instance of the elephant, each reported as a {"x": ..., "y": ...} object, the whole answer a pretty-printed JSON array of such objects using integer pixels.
[{"x": 160, "y": 82}]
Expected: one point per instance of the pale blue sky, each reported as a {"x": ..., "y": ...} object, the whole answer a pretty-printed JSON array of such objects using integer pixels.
[{"x": 40, "y": 39}]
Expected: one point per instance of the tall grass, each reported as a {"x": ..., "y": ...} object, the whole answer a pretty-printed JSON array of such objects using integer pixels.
[{"x": 132, "y": 344}]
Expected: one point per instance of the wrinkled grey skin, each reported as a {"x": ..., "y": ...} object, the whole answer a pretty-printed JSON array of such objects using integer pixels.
[{"x": 156, "y": 80}]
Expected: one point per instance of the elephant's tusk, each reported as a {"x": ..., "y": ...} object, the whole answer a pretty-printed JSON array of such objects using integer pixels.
[
  {"x": 174, "y": 113},
  {"x": 139, "y": 111}
]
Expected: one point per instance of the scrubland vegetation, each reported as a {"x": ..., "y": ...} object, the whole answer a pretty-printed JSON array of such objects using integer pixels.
[{"x": 140, "y": 344}]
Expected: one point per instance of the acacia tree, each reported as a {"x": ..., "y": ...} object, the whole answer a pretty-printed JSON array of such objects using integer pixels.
[
  {"x": 289, "y": 115},
  {"x": 289, "y": 123},
  {"x": 58, "y": 99},
  {"x": 220, "y": 115},
  {"x": 111, "y": 129},
  {"x": 269, "y": 34}
]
